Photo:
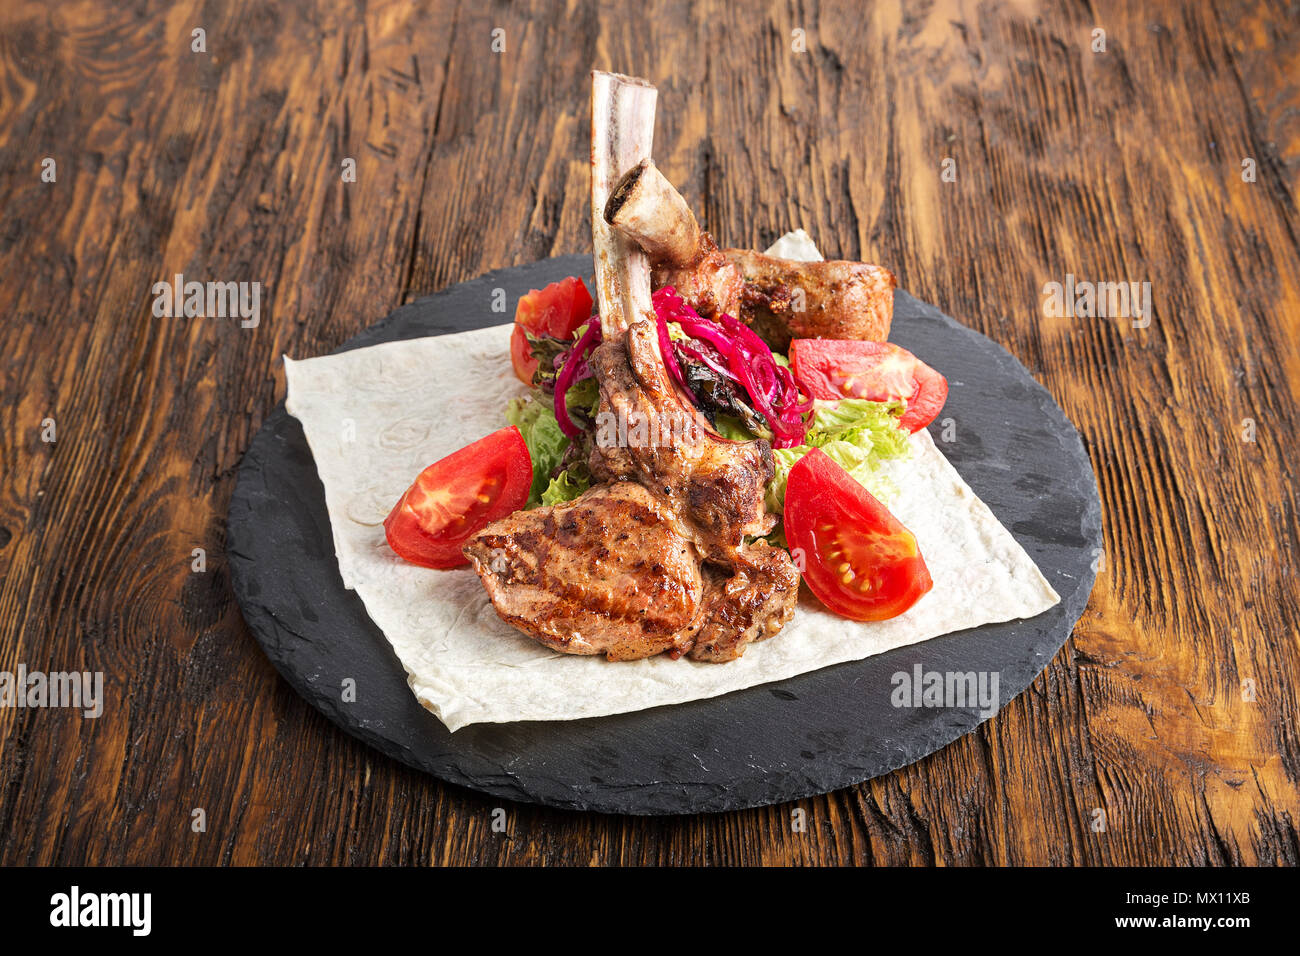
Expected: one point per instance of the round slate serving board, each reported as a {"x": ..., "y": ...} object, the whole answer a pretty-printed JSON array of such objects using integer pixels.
[{"x": 768, "y": 744}]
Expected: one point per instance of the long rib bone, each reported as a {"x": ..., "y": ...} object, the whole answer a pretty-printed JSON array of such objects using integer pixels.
[
  {"x": 719, "y": 484},
  {"x": 622, "y": 133},
  {"x": 618, "y": 570}
]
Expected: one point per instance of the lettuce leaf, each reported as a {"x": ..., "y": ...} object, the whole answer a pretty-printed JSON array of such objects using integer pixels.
[
  {"x": 534, "y": 416},
  {"x": 546, "y": 443},
  {"x": 567, "y": 485},
  {"x": 857, "y": 435},
  {"x": 729, "y": 426}
]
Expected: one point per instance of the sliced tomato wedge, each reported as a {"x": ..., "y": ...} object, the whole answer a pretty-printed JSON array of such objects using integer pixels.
[
  {"x": 521, "y": 356},
  {"x": 858, "y": 558},
  {"x": 878, "y": 371},
  {"x": 556, "y": 310},
  {"x": 458, "y": 496}
]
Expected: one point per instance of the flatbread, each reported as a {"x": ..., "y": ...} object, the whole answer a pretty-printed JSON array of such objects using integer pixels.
[{"x": 375, "y": 417}]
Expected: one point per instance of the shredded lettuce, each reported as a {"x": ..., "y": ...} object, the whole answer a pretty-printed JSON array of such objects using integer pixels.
[{"x": 857, "y": 435}]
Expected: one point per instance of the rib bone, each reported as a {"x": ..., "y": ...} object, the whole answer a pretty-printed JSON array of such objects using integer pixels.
[
  {"x": 646, "y": 209},
  {"x": 618, "y": 570}
]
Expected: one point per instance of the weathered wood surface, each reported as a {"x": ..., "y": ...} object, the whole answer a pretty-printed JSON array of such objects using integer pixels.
[{"x": 225, "y": 165}]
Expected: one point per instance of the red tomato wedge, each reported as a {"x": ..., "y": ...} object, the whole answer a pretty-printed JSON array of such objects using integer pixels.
[
  {"x": 878, "y": 371},
  {"x": 458, "y": 496},
  {"x": 521, "y": 356},
  {"x": 556, "y": 310},
  {"x": 860, "y": 560}
]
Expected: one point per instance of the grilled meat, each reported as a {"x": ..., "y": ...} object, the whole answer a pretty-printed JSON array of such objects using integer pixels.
[
  {"x": 751, "y": 603},
  {"x": 781, "y": 299},
  {"x": 612, "y": 572},
  {"x": 716, "y": 485},
  {"x": 622, "y": 569}
]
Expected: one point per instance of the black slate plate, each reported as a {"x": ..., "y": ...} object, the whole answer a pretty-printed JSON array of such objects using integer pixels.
[{"x": 768, "y": 744}]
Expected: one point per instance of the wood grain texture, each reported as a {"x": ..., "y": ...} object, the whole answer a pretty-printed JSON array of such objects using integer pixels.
[{"x": 225, "y": 165}]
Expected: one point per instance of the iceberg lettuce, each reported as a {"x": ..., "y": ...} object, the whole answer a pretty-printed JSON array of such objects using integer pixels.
[
  {"x": 567, "y": 485},
  {"x": 857, "y": 435}
]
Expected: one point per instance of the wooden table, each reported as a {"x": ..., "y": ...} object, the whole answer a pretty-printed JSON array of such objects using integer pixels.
[{"x": 1171, "y": 157}]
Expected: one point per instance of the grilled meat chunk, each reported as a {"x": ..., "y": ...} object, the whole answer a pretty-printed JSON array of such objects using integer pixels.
[
  {"x": 709, "y": 281},
  {"x": 784, "y": 300},
  {"x": 753, "y": 603},
  {"x": 645, "y": 432},
  {"x": 613, "y": 572}
]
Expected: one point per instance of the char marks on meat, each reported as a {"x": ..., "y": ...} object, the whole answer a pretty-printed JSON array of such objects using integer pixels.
[
  {"x": 715, "y": 484},
  {"x": 750, "y": 603},
  {"x": 612, "y": 572}
]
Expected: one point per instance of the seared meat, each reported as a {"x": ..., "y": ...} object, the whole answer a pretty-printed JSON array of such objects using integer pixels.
[
  {"x": 613, "y": 572},
  {"x": 785, "y": 300},
  {"x": 645, "y": 432},
  {"x": 710, "y": 282},
  {"x": 781, "y": 299},
  {"x": 751, "y": 604}
]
